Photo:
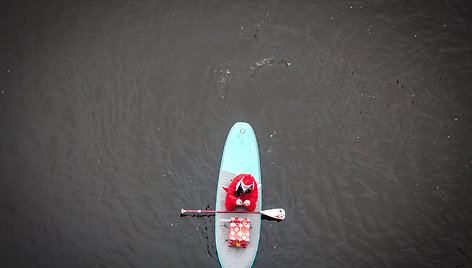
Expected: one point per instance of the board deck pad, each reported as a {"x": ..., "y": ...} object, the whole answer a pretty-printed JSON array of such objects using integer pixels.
[{"x": 240, "y": 156}]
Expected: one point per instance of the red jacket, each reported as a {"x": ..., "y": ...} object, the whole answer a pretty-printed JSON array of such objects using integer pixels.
[{"x": 251, "y": 196}]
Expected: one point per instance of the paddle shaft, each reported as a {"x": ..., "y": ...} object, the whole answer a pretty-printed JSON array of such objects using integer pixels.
[
  {"x": 216, "y": 211},
  {"x": 277, "y": 213}
]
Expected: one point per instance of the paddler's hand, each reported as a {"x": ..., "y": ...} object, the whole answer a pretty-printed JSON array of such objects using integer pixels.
[
  {"x": 247, "y": 203},
  {"x": 239, "y": 202}
]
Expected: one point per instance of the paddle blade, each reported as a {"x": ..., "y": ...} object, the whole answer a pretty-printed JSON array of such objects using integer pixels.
[{"x": 276, "y": 213}]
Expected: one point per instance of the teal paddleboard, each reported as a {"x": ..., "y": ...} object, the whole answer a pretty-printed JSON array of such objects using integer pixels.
[{"x": 240, "y": 156}]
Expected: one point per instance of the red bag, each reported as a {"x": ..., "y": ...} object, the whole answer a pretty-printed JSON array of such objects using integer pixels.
[{"x": 239, "y": 232}]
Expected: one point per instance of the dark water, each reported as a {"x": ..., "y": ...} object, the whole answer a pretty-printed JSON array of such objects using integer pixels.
[{"x": 114, "y": 114}]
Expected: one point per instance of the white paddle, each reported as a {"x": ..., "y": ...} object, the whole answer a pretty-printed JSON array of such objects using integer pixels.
[{"x": 276, "y": 213}]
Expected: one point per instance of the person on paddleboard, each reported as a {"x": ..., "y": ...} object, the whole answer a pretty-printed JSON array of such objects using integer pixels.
[{"x": 242, "y": 192}]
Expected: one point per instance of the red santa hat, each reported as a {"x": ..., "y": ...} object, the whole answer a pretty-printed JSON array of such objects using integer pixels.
[{"x": 247, "y": 182}]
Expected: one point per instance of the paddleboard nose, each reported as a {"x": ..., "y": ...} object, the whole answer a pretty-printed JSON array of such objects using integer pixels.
[{"x": 243, "y": 126}]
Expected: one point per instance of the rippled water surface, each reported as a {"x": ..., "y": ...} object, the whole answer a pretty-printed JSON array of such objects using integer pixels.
[{"x": 114, "y": 114}]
